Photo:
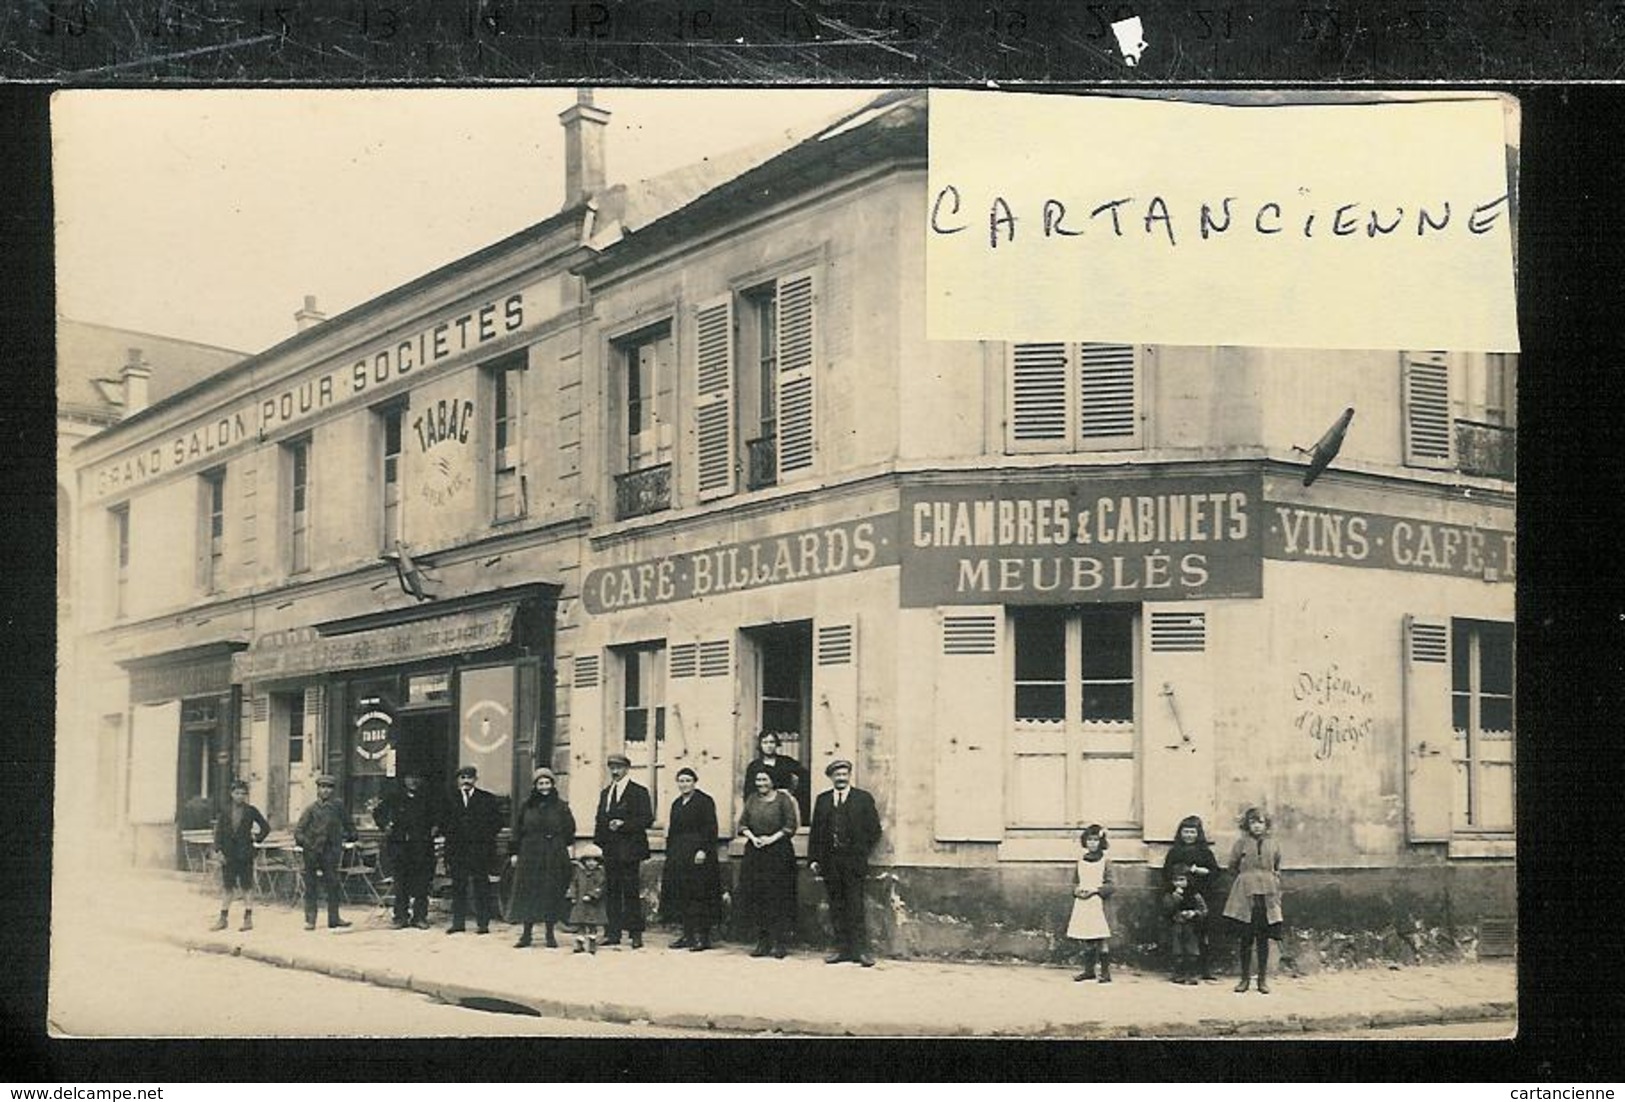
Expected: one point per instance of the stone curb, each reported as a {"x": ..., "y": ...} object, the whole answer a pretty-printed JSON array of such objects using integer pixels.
[{"x": 628, "y": 1014}]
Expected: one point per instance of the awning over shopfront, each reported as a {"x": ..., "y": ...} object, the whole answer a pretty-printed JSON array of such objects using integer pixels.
[
  {"x": 306, "y": 651},
  {"x": 175, "y": 675}
]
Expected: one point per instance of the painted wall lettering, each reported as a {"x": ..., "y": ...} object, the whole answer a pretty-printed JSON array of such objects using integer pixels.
[
  {"x": 1299, "y": 533},
  {"x": 841, "y": 548},
  {"x": 1333, "y": 710},
  {"x": 1089, "y": 539},
  {"x": 330, "y": 385}
]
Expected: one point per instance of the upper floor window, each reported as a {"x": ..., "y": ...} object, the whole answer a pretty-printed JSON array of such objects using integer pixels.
[
  {"x": 758, "y": 384},
  {"x": 754, "y": 360},
  {"x": 1460, "y": 411},
  {"x": 1074, "y": 397},
  {"x": 120, "y": 516},
  {"x": 508, "y": 470},
  {"x": 390, "y": 421},
  {"x": 296, "y": 462},
  {"x": 212, "y": 536},
  {"x": 643, "y": 398}
]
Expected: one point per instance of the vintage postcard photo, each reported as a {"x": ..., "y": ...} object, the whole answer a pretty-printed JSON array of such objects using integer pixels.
[{"x": 842, "y": 562}]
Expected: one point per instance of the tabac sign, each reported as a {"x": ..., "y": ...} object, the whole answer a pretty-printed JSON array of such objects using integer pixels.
[{"x": 1062, "y": 541}]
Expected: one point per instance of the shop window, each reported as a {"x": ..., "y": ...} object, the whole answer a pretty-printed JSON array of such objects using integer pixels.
[
  {"x": 120, "y": 517},
  {"x": 784, "y": 673},
  {"x": 644, "y": 401},
  {"x": 212, "y": 530},
  {"x": 507, "y": 421},
  {"x": 643, "y": 716},
  {"x": 1074, "y": 397},
  {"x": 296, "y": 515},
  {"x": 390, "y": 421},
  {"x": 1459, "y": 412},
  {"x": 372, "y": 737},
  {"x": 1481, "y": 720},
  {"x": 1073, "y": 741}
]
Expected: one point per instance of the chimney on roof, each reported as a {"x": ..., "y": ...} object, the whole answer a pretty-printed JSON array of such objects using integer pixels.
[
  {"x": 584, "y": 128},
  {"x": 303, "y": 319},
  {"x": 135, "y": 375}
]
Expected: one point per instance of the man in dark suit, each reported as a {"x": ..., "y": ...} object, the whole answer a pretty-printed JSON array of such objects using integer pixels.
[
  {"x": 407, "y": 815},
  {"x": 845, "y": 828},
  {"x": 471, "y": 822},
  {"x": 621, "y": 829}
]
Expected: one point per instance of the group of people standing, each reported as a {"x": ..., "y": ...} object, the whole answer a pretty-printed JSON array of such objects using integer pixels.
[
  {"x": 592, "y": 886},
  {"x": 1190, "y": 874}
]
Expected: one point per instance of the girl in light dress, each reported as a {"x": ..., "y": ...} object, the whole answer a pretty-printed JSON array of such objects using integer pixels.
[{"x": 1090, "y": 923}]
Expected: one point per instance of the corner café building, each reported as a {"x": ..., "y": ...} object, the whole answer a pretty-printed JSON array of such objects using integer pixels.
[{"x": 714, "y": 481}]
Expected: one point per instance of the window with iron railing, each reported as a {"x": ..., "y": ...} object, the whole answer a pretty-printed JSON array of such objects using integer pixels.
[{"x": 645, "y": 401}]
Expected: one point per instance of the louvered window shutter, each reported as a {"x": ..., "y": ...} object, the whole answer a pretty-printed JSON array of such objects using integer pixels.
[
  {"x": 835, "y": 718},
  {"x": 1108, "y": 397},
  {"x": 586, "y": 738},
  {"x": 714, "y": 398},
  {"x": 1430, "y": 440},
  {"x": 970, "y": 722},
  {"x": 797, "y": 360},
  {"x": 1039, "y": 376},
  {"x": 700, "y": 711},
  {"x": 1429, "y": 769},
  {"x": 1177, "y": 717}
]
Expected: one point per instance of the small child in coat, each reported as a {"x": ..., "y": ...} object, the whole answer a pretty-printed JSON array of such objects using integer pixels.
[
  {"x": 1186, "y": 911},
  {"x": 1089, "y": 922},
  {"x": 587, "y": 897},
  {"x": 1192, "y": 852}
]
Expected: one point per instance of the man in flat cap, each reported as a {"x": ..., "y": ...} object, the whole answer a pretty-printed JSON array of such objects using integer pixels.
[
  {"x": 321, "y": 833},
  {"x": 621, "y": 829},
  {"x": 472, "y": 822},
  {"x": 845, "y": 828}
]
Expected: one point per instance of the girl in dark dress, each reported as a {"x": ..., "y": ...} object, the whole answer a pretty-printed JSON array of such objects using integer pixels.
[
  {"x": 1192, "y": 851},
  {"x": 767, "y": 875},
  {"x": 542, "y": 869},
  {"x": 691, "y": 885}
]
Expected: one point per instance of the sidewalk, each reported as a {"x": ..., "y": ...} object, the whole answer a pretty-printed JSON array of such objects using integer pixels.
[{"x": 728, "y": 991}]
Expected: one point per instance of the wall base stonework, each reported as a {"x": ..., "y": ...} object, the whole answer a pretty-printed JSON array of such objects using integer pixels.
[{"x": 1334, "y": 918}]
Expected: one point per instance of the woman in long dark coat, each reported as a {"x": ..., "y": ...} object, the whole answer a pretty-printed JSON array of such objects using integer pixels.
[
  {"x": 541, "y": 840},
  {"x": 691, "y": 886},
  {"x": 767, "y": 875}
]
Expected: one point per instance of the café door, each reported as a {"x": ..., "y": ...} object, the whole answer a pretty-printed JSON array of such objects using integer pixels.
[{"x": 423, "y": 746}]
